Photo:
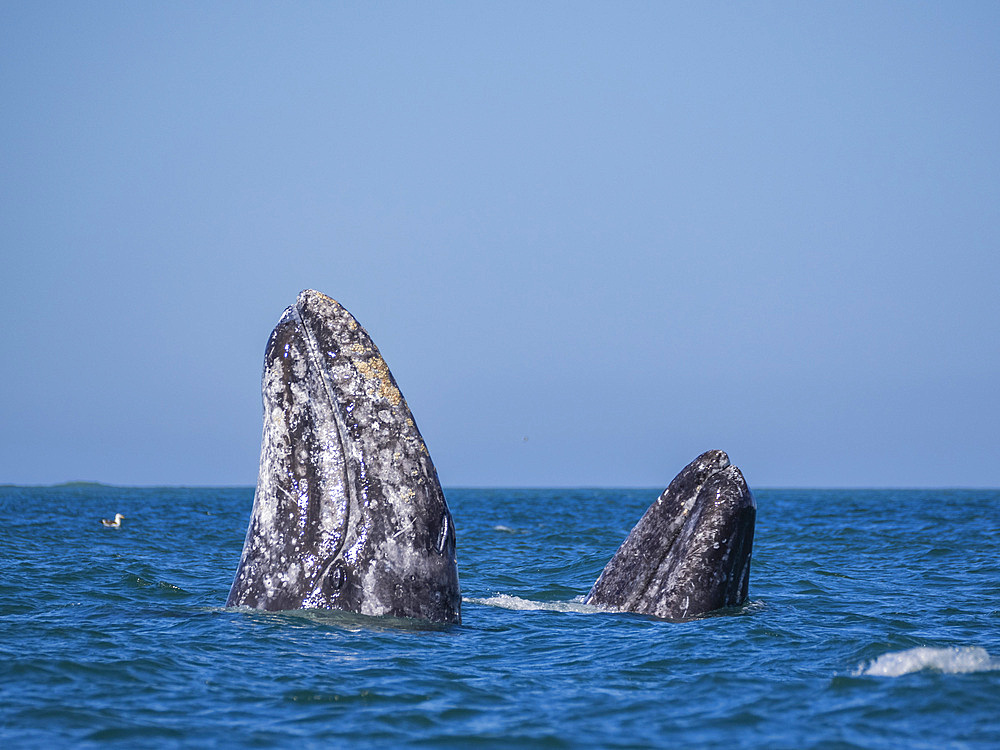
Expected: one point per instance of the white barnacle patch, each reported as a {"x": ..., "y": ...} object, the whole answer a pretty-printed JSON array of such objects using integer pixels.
[
  {"x": 265, "y": 512},
  {"x": 300, "y": 395},
  {"x": 371, "y": 582},
  {"x": 353, "y": 554},
  {"x": 302, "y": 501},
  {"x": 276, "y": 416}
]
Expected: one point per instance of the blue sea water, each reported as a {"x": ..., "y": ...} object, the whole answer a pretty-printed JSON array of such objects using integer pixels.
[{"x": 873, "y": 622}]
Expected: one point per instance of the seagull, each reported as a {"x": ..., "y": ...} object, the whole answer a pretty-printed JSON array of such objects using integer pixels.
[{"x": 113, "y": 524}]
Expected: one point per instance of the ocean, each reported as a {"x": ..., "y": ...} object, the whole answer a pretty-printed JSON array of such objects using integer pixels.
[{"x": 873, "y": 622}]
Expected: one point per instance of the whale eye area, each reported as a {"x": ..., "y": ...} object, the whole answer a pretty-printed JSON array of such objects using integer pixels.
[{"x": 335, "y": 578}]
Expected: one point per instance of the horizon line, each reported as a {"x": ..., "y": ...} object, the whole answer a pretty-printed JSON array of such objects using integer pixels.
[{"x": 658, "y": 489}]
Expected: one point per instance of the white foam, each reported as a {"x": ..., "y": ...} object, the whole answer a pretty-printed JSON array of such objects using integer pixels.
[
  {"x": 506, "y": 601},
  {"x": 957, "y": 660}
]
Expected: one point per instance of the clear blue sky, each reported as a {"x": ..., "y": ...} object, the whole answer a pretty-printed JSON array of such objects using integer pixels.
[{"x": 591, "y": 240}]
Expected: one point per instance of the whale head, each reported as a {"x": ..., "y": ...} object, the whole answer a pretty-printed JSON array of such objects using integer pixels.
[
  {"x": 690, "y": 552},
  {"x": 348, "y": 512}
]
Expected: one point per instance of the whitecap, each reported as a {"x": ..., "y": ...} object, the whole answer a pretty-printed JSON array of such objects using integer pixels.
[
  {"x": 956, "y": 660},
  {"x": 506, "y": 601}
]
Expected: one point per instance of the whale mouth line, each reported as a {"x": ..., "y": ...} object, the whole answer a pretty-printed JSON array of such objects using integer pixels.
[{"x": 317, "y": 363}]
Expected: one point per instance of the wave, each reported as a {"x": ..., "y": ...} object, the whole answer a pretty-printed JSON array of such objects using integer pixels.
[
  {"x": 955, "y": 660},
  {"x": 506, "y": 601}
]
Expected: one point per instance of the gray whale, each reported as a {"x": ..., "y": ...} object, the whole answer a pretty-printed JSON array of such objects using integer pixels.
[
  {"x": 690, "y": 552},
  {"x": 348, "y": 513}
]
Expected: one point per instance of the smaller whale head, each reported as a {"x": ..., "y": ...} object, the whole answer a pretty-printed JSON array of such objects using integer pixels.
[{"x": 690, "y": 552}]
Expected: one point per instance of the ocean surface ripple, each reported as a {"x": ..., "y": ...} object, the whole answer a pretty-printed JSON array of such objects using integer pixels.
[{"x": 873, "y": 622}]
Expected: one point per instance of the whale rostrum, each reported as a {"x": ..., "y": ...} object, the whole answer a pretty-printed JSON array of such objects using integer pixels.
[
  {"x": 348, "y": 512},
  {"x": 690, "y": 552}
]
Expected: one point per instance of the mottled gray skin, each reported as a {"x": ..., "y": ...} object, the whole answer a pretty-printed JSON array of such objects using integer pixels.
[
  {"x": 690, "y": 552},
  {"x": 348, "y": 512}
]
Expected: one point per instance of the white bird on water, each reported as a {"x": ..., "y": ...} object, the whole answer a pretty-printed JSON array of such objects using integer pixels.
[{"x": 113, "y": 524}]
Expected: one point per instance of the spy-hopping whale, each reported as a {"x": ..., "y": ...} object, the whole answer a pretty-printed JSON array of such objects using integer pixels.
[
  {"x": 690, "y": 552},
  {"x": 348, "y": 513}
]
